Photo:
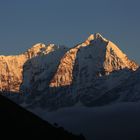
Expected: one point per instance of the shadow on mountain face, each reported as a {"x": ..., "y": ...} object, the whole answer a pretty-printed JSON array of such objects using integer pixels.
[
  {"x": 19, "y": 121},
  {"x": 40, "y": 70},
  {"x": 90, "y": 90},
  {"x": 87, "y": 86}
]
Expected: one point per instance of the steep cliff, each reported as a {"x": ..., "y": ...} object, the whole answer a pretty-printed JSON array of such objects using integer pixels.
[{"x": 11, "y": 67}]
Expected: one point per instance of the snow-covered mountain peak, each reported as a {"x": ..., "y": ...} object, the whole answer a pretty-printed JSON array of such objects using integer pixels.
[
  {"x": 92, "y": 38},
  {"x": 96, "y": 36},
  {"x": 94, "y": 57},
  {"x": 99, "y": 36},
  {"x": 40, "y": 48},
  {"x": 37, "y": 47},
  {"x": 11, "y": 72},
  {"x": 115, "y": 59},
  {"x": 82, "y": 74}
]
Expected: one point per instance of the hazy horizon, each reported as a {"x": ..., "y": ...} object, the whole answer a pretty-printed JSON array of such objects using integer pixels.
[{"x": 25, "y": 23}]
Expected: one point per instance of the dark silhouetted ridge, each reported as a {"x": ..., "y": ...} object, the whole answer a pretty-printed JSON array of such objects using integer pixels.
[{"x": 18, "y": 121}]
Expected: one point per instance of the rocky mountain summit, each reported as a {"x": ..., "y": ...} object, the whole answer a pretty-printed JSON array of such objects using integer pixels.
[
  {"x": 96, "y": 56},
  {"x": 11, "y": 72},
  {"x": 56, "y": 76}
]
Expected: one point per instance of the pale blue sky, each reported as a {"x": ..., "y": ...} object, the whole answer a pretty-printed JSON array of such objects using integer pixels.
[{"x": 68, "y": 22}]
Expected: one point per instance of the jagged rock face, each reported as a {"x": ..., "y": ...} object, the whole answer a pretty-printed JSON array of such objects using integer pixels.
[
  {"x": 38, "y": 71},
  {"x": 12, "y": 66},
  {"x": 115, "y": 59},
  {"x": 11, "y": 72},
  {"x": 94, "y": 57},
  {"x": 40, "y": 49},
  {"x": 63, "y": 75},
  {"x": 82, "y": 74}
]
